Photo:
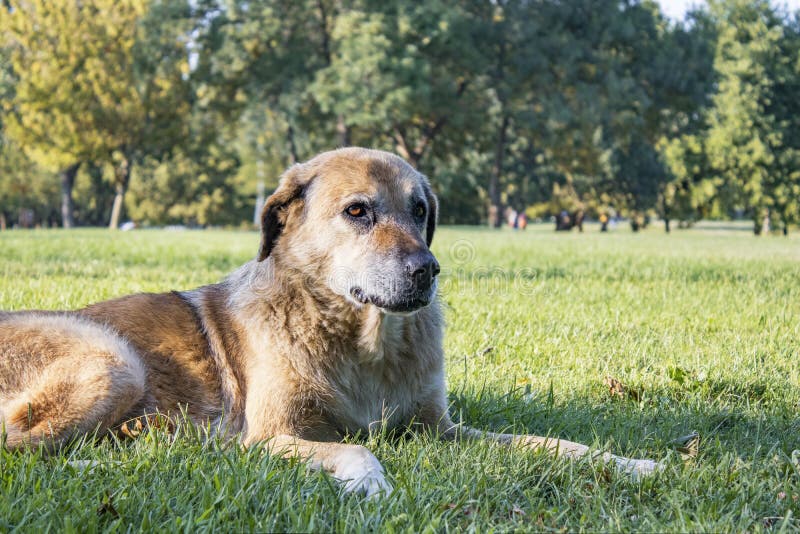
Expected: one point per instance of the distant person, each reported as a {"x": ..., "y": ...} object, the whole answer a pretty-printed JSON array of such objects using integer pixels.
[
  {"x": 604, "y": 222},
  {"x": 577, "y": 219},
  {"x": 563, "y": 221},
  {"x": 522, "y": 221},
  {"x": 512, "y": 218}
]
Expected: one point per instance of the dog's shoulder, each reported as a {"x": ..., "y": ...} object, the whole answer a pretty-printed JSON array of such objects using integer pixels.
[
  {"x": 161, "y": 326},
  {"x": 167, "y": 332}
]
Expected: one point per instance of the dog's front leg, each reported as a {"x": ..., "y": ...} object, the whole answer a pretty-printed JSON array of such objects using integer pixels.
[
  {"x": 352, "y": 465},
  {"x": 558, "y": 447},
  {"x": 440, "y": 422}
]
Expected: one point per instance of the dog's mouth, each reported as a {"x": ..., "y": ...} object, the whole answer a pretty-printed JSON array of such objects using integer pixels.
[{"x": 404, "y": 305}]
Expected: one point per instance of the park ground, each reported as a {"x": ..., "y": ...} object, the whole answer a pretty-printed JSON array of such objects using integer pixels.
[{"x": 625, "y": 341}]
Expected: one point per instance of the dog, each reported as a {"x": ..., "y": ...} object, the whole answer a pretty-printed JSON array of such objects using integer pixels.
[{"x": 332, "y": 329}]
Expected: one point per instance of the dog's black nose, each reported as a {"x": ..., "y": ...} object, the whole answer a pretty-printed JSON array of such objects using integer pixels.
[{"x": 423, "y": 268}]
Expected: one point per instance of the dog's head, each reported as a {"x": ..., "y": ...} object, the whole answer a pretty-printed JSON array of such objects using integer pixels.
[{"x": 358, "y": 221}]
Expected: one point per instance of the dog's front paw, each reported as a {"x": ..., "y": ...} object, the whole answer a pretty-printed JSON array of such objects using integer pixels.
[
  {"x": 637, "y": 468},
  {"x": 360, "y": 472}
]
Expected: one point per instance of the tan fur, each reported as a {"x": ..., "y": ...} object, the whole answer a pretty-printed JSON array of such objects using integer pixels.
[
  {"x": 63, "y": 375},
  {"x": 295, "y": 349}
]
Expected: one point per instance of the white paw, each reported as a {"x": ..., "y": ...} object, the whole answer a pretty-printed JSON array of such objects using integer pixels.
[
  {"x": 637, "y": 468},
  {"x": 361, "y": 472}
]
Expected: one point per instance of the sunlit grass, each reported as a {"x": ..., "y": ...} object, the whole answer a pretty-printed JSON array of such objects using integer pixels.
[{"x": 703, "y": 325}]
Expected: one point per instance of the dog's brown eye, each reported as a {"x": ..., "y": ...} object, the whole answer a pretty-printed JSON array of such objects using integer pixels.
[
  {"x": 419, "y": 210},
  {"x": 356, "y": 210}
]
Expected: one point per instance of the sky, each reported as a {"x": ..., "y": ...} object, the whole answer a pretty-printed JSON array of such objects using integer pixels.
[{"x": 675, "y": 9}]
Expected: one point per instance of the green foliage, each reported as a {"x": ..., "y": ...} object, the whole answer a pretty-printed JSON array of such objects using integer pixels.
[
  {"x": 751, "y": 140},
  {"x": 94, "y": 193},
  {"x": 742, "y": 137},
  {"x": 688, "y": 196},
  {"x": 54, "y": 113},
  {"x": 191, "y": 188},
  {"x": 107, "y": 98},
  {"x": 400, "y": 73},
  {"x": 458, "y": 184},
  {"x": 594, "y": 105},
  {"x": 82, "y": 99},
  {"x": 25, "y": 186}
]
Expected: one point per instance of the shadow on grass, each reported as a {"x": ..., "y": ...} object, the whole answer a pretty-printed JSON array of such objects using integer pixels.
[{"x": 729, "y": 418}]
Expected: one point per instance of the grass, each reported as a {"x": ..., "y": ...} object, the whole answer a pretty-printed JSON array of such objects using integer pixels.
[{"x": 702, "y": 327}]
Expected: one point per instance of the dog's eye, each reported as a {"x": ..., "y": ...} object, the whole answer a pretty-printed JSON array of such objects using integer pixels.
[
  {"x": 419, "y": 210},
  {"x": 356, "y": 210}
]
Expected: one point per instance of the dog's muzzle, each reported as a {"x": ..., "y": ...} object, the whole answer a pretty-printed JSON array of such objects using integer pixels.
[{"x": 413, "y": 289}]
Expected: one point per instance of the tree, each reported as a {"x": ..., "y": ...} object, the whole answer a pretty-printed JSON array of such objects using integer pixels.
[
  {"x": 24, "y": 186},
  {"x": 517, "y": 62},
  {"x": 115, "y": 95},
  {"x": 784, "y": 180},
  {"x": 49, "y": 112},
  {"x": 400, "y": 74},
  {"x": 152, "y": 86},
  {"x": 587, "y": 105},
  {"x": 745, "y": 139},
  {"x": 689, "y": 63},
  {"x": 241, "y": 47}
]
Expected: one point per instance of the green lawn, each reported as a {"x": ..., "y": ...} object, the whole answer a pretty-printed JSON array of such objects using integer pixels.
[{"x": 702, "y": 326}]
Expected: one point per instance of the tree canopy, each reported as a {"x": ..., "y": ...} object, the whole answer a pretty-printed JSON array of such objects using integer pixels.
[{"x": 175, "y": 109}]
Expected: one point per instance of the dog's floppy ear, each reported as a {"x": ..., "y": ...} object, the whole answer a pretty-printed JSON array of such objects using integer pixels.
[
  {"x": 273, "y": 217},
  {"x": 433, "y": 212}
]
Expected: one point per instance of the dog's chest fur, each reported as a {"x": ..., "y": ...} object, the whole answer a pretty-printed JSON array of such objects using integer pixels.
[
  {"x": 306, "y": 364},
  {"x": 378, "y": 380},
  {"x": 359, "y": 372},
  {"x": 389, "y": 373}
]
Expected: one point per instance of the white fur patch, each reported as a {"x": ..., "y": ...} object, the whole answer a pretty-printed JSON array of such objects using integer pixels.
[
  {"x": 360, "y": 472},
  {"x": 637, "y": 468}
]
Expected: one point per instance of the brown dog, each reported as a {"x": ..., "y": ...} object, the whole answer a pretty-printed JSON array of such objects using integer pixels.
[{"x": 334, "y": 328}]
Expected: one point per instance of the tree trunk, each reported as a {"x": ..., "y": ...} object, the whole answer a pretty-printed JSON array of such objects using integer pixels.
[
  {"x": 2, "y": 221},
  {"x": 260, "y": 196},
  {"x": 495, "y": 209},
  {"x": 67, "y": 176},
  {"x": 667, "y": 213},
  {"x": 116, "y": 209},
  {"x": 292, "y": 147},
  {"x": 580, "y": 216},
  {"x": 342, "y": 132},
  {"x": 123, "y": 173}
]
